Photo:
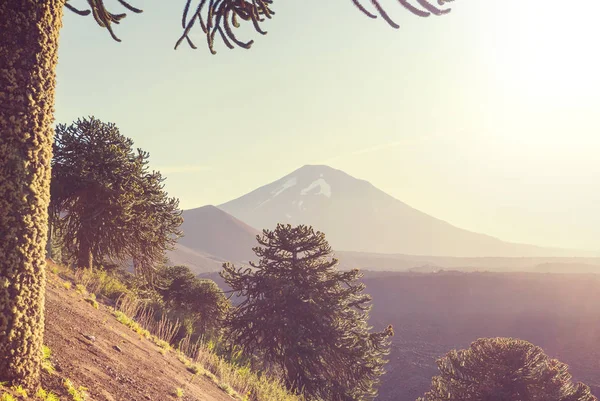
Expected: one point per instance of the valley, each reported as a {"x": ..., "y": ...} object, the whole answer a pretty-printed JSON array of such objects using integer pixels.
[{"x": 441, "y": 287}]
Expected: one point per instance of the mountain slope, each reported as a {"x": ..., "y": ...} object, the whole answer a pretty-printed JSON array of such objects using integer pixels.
[
  {"x": 210, "y": 231},
  {"x": 197, "y": 261},
  {"x": 357, "y": 216}
]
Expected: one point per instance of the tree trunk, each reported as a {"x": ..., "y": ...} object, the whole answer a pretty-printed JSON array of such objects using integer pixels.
[
  {"x": 28, "y": 55},
  {"x": 85, "y": 257},
  {"x": 49, "y": 245}
]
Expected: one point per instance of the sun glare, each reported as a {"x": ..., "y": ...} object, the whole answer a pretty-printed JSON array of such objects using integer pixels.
[{"x": 547, "y": 60}]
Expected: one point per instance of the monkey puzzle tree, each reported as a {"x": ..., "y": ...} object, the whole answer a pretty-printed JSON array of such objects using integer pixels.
[
  {"x": 155, "y": 223},
  {"x": 105, "y": 202},
  {"x": 305, "y": 319},
  {"x": 504, "y": 369},
  {"x": 28, "y": 56},
  {"x": 202, "y": 299}
]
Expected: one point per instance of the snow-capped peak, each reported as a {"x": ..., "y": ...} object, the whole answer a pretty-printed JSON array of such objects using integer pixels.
[{"x": 324, "y": 188}]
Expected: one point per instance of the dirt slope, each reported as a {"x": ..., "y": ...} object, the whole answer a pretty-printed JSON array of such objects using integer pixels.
[{"x": 138, "y": 372}]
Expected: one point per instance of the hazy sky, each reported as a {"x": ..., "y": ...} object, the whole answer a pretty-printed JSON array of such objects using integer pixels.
[{"x": 487, "y": 118}]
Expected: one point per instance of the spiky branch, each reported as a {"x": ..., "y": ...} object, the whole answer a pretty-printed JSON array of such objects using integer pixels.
[{"x": 223, "y": 16}]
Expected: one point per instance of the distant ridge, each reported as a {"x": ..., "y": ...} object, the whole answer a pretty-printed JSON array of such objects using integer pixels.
[
  {"x": 211, "y": 232},
  {"x": 356, "y": 216}
]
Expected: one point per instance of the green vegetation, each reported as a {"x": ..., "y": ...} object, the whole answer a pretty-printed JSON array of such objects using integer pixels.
[
  {"x": 306, "y": 320},
  {"x": 101, "y": 282},
  {"x": 225, "y": 374},
  {"x": 201, "y": 304},
  {"x": 80, "y": 288},
  {"x": 27, "y": 87},
  {"x": 46, "y": 363},
  {"x": 92, "y": 301},
  {"x": 228, "y": 367},
  {"x": 46, "y": 395},
  {"x": 20, "y": 391},
  {"x": 132, "y": 324},
  {"x": 7, "y": 397},
  {"x": 105, "y": 203},
  {"x": 227, "y": 388},
  {"x": 178, "y": 393},
  {"x": 504, "y": 369},
  {"x": 76, "y": 393}
]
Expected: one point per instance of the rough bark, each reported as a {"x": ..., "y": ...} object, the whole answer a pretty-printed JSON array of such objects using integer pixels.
[
  {"x": 85, "y": 257},
  {"x": 28, "y": 56}
]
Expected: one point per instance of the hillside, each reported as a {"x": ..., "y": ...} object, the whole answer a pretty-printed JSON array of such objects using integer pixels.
[
  {"x": 356, "y": 216},
  {"x": 197, "y": 261},
  {"x": 434, "y": 313},
  {"x": 209, "y": 230},
  {"x": 137, "y": 372}
]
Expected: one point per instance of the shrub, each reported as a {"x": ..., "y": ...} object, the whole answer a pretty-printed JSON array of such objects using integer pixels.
[{"x": 504, "y": 369}]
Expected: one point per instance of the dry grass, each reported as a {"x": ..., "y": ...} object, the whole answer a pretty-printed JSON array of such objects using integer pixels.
[
  {"x": 100, "y": 282},
  {"x": 199, "y": 357},
  {"x": 163, "y": 328}
]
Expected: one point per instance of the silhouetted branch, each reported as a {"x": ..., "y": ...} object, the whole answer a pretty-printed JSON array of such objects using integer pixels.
[
  {"x": 222, "y": 16},
  {"x": 103, "y": 17},
  {"x": 426, "y": 4}
]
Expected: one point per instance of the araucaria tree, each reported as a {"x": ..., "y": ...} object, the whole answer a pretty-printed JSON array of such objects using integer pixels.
[
  {"x": 306, "y": 320},
  {"x": 105, "y": 202},
  {"x": 504, "y": 369},
  {"x": 201, "y": 301},
  {"x": 28, "y": 56}
]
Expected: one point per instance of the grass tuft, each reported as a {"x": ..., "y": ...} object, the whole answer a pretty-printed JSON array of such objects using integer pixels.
[
  {"x": 178, "y": 393},
  {"x": 92, "y": 301},
  {"x": 46, "y": 395},
  {"x": 46, "y": 363},
  {"x": 20, "y": 391},
  {"x": 80, "y": 288},
  {"x": 194, "y": 369},
  {"x": 76, "y": 393}
]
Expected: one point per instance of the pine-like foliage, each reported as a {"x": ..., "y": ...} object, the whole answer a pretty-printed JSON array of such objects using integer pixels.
[
  {"x": 203, "y": 301},
  {"x": 504, "y": 369},
  {"x": 306, "y": 320},
  {"x": 223, "y": 17},
  {"x": 29, "y": 52},
  {"x": 105, "y": 202}
]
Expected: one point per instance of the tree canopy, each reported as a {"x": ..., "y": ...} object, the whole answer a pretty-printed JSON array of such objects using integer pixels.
[
  {"x": 29, "y": 54},
  {"x": 504, "y": 369},
  {"x": 104, "y": 201},
  {"x": 202, "y": 299},
  {"x": 306, "y": 320},
  {"x": 223, "y": 16}
]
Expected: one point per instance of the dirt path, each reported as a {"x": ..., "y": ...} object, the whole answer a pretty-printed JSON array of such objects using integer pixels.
[{"x": 138, "y": 372}]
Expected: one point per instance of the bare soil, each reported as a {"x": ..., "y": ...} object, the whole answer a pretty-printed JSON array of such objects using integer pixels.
[{"x": 85, "y": 345}]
